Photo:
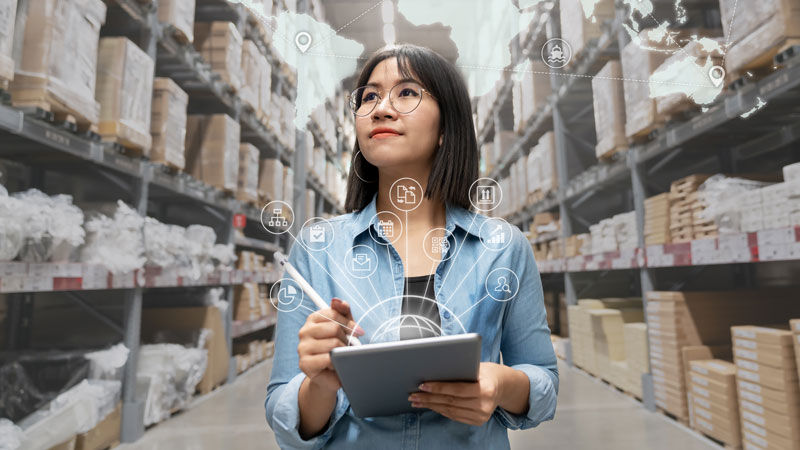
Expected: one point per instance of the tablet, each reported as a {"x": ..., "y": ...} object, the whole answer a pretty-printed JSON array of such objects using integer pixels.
[{"x": 378, "y": 378}]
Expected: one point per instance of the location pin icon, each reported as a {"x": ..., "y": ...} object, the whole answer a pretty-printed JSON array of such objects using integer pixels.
[
  {"x": 303, "y": 41},
  {"x": 717, "y": 75}
]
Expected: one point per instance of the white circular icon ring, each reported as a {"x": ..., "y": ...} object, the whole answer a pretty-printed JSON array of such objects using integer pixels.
[
  {"x": 390, "y": 228},
  {"x": 406, "y": 194},
  {"x": 556, "y": 53},
  {"x": 502, "y": 284},
  {"x": 485, "y": 194},
  {"x": 496, "y": 234},
  {"x": 361, "y": 261},
  {"x": 274, "y": 217},
  {"x": 286, "y": 295},
  {"x": 438, "y": 248},
  {"x": 317, "y": 234}
]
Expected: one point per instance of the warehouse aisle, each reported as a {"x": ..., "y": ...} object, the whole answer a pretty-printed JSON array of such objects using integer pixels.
[{"x": 590, "y": 416}]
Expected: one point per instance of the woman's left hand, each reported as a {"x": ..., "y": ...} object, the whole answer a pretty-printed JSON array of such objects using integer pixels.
[{"x": 470, "y": 403}]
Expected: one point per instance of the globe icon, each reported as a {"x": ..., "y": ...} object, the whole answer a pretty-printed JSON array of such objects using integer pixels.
[{"x": 406, "y": 326}]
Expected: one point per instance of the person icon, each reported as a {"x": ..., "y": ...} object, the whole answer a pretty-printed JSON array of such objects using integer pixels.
[{"x": 502, "y": 285}]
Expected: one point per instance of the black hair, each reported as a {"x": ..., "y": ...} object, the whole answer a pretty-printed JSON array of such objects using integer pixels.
[{"x": 455, "y": 164}]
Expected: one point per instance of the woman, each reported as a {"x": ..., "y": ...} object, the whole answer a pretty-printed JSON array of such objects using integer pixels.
[{"x": 409, "y": 249}]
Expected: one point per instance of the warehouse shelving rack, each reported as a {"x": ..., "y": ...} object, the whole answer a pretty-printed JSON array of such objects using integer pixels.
[
  {"x": 714, "y": 140},
  {"x": 31, "y": 140}
]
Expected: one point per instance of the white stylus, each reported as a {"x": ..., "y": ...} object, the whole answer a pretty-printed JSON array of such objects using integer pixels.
[{"x": 315, "y": 297}]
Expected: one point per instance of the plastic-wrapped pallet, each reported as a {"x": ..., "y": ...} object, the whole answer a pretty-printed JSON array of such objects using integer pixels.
[
  {"x": 625, "y": 231},
  {"x": 582, "y": 21},
  {"x": 264, "y": 88},
  {"x": 221, "y": 46},
  {"x": 638, "y": 64},
  {"x": 179, "y": 14},
  {"x": 530, "y": 94},
  {"x": 247, "y": 186},
  {"x": 170, "y": 373},
  {"x": 8, "y": 11},
  {"x": 755, "y": 37},
  {"x": 212, "y": 150},
  {"x": 168, "y": 123},
  {"x": 58, "y": 67},
  {"x": 251, "y": 75},
  {"x": 115, "y": 242},
  {"x": 725, "y": 202},
  {"x": 124, "y": 90},
  {"x": 547, "y": 149},
  {"x": 270, "y": 180},
  {"x": 608, "y": 94}
]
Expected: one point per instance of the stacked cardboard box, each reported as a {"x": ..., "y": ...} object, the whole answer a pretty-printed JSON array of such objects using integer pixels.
[
  {"x": 124, "y": 90},
  {"x": 683, "y": 204},
  {"x": 563, "y": 319},
  {"x": 543, "y": 168},
  {"x": 757, "y": 36},
  {"x": 582, "y": 331},
  {"x": 311, "y": 203},
  {"x": 168, "y": 123},
  {"x": 625, "y": 234},
  {"x": 58, "y": 67},
  {"x": 8, "y": 10},
  {"x": 636, "y": 356},
  {"x": 768, "y": 387},
  {"x": 270, "y": 180},
  {"x": 545, "y": 225},
  {"x": 639, "y": 63},
  {"x": 656, "y": 220},
  {"x": 529, "y": 94},
  {"x": 247, "y": 186},
  {"x": 180, "y": 15},
  {"x": 220, "y": 44},
  {"x": 212, "y": 150},
  {"x": 608, "y": 93},
  {"x": 250, "y": 303},
  {"x": 715, "y": 409},
  {"x": 551, "y": 310},
  {"x": 679, "y": 320},
  {"x": 250, "y": 75},
  {"x": 250, "y": 353},
  {"x": 581, "y": 22}
]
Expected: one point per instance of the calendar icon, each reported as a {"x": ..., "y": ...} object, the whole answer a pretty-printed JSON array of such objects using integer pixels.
[{"x": 387, "y": 228}]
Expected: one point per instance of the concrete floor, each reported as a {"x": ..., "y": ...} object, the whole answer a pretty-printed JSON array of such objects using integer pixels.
[{"x": 590, "y": 415}]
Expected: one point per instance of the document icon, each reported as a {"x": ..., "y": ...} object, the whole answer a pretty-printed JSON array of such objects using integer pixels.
[
  {"x": 361, "y": 263},
  {"x": 317, "y": 234},
  {"x": 406, "y": 194}
]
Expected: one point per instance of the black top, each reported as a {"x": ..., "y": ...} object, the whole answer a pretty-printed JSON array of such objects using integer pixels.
[{"x": 427, "y": 322}]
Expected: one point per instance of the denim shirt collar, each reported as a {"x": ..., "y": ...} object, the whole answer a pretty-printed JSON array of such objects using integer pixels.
[{"x": 455, "y": 216}]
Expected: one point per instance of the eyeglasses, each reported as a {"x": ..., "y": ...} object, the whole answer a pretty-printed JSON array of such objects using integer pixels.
[{"x": 404, "y": 97}]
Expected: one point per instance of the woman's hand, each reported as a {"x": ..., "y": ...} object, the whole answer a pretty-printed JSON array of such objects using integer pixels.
[
  {"x": 470, "y": 403},
  {"x": 323, "y": 331}
]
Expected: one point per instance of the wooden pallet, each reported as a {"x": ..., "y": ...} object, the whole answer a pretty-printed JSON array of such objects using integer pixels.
[
  {"x": 132, "y": 140},
  {"x": 612, "y": 154},
  {"x": 43, "y": 99},
  {"x": 168, "y": 167},
  {"x": 718, "y": 442},
  {"x": 682, "y": 420},
  {"x": 768, "y": 61}
]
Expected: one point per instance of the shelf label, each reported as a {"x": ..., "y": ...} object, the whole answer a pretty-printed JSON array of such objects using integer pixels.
[{"x": 239, "y": 221}]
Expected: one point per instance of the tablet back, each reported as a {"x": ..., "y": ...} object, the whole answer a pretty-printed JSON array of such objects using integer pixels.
[{"x": 378, "y": 378}]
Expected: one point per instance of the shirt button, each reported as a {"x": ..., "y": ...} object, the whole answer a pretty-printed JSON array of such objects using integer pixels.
[{"x": 447, "y": 314}]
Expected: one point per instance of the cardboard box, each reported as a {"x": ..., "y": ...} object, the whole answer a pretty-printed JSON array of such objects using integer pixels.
[
  {"x": 774, "y": 356},
  {"x": 783, "y": 425},
  {"x": 780, "y": 379},
  {"x": 124, "y": 90},
  {"x": 179, "y": 14},
  {"x": 760, "y": 434},
  {"x": 104, "y": 434},
  {"x": 191, "y": 319},
  {"x": 270, "y": 180},
  {"x": 168, "y": 123},
  {"x": 529, "y": 94},
  {"x": 8, "y": 11},
  {"x": 247, "y": 186},
  {"x": 265, "y": 88},
  {"x": 58, "y": 68},
  {"x": 212, "y": 150},
  {"x": 220, "y": 44},
  {"x": 581, "y": 22},
  {"x": 764, "y": 335},
  {"x": 757, "y": 398},
  {"x": 608, "y": 94}
]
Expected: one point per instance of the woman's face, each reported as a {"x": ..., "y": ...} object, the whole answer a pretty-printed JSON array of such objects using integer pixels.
[{"x": 411, "y": 139}]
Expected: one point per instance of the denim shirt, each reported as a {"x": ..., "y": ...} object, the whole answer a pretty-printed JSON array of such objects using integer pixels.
[{"x": 468, "y": 302}]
